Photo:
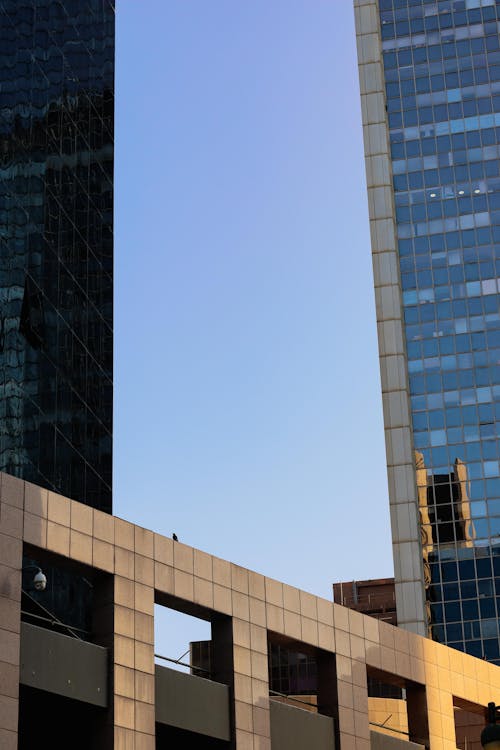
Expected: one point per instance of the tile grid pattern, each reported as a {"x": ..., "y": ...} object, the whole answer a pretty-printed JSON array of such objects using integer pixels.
[
  {"x": 142, "y": 562},
  {"x": 11, "y": 546},
  {"x": 408, "y": 567},
  {"x": 134, "y": 715}
]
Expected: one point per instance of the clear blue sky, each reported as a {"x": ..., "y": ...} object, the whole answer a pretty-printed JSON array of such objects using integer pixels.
[{"x": 248, "y": 414}]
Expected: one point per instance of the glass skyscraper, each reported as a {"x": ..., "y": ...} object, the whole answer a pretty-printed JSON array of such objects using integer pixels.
[
  {"x": 56, "y": 244},
  {"x": 430, "y": 87}
]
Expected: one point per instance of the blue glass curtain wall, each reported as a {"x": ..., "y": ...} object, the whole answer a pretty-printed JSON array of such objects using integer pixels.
[{"x": 442, "y": 74}]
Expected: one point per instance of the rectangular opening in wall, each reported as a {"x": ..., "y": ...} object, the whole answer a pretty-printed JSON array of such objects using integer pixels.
[
  {"x": 303, "y": 695},
  {"x": 65, "y": 597},
  {"x": 469, "y": 723},
  {"x": 396, "y": 707},
  {"x": 36, "y": 729},
  {"x": 193, "y": 674},
  {"x": 66, "y": 636},
  {"x": 387, "y": 710},
  {"x": 183, "y": 642},
  {"x": 293, "y": 675}
]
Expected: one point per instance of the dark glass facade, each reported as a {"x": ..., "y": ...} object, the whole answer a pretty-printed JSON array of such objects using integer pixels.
[
  {"x": 442, "y": 75},
  {"x": 56, "y": 244},
  {"x": 291, "y": 672}
]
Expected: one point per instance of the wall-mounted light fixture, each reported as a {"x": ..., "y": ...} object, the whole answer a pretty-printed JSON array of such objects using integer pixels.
[{"x": 39, "y": 579}]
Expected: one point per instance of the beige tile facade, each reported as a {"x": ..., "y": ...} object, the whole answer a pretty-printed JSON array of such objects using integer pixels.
[
  {"x": 408, "y": 567},
  {"x": 145, "y": 565},
  {"x": 11, "y": 547}
]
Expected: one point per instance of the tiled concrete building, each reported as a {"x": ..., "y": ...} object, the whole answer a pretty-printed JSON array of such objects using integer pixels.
[{"x": 105, "y": 690}]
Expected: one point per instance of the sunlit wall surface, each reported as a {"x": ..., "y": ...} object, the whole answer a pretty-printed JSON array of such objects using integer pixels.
[
  {"x": 56, "y": 253},
  {"x": 442, "y": 75}
]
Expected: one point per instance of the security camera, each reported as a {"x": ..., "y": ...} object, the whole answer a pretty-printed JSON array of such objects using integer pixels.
[{"x": 40, "y": 581}]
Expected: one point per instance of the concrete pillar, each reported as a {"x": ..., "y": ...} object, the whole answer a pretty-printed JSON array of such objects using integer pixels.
[{"x": 11, "y": 555}]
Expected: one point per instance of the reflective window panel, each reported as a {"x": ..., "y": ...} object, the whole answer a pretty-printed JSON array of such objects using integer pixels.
[
  {"x": 56, "y": 244},
  {"x": 442, "y": 75}
]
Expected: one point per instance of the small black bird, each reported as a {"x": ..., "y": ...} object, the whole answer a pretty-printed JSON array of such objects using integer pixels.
[{"x": 174, "y": 537}]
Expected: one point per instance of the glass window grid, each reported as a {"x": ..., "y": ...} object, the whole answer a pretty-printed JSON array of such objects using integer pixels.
[
  {"x": 443, "y": 102},
  {"x": 57, "y": 121}
]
